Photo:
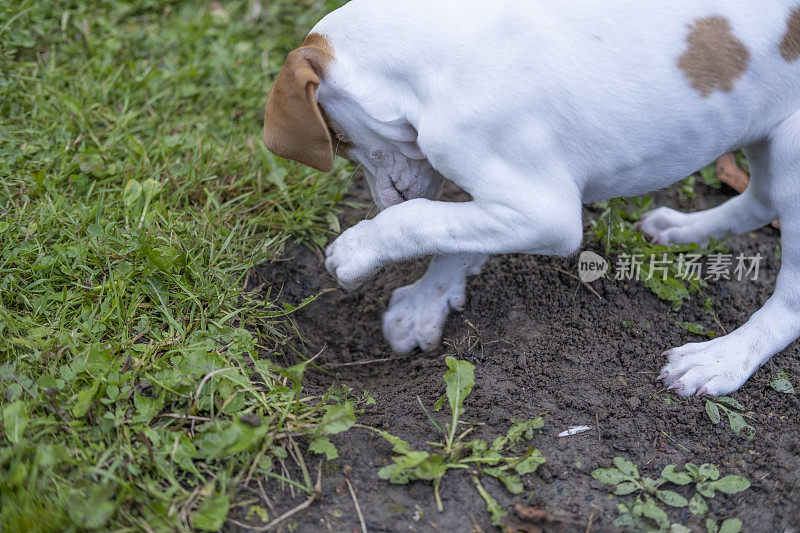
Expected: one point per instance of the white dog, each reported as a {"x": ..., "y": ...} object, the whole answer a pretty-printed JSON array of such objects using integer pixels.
[{"x": 535, "y": 107}]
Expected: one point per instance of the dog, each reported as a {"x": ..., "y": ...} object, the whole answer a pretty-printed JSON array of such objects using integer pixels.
[{"x": 535, "y": 108}]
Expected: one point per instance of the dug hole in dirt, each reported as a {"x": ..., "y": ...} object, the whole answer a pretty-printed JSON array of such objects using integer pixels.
[{"x": 542, "y": 343}]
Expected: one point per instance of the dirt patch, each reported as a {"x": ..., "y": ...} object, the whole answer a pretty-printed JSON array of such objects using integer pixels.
[{"x": 542, "y": 343}]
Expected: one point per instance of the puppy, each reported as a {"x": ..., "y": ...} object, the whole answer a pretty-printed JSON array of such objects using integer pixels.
[{"x": 535, "y": 107}]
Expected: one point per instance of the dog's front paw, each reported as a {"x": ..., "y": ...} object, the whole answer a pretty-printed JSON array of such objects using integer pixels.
[
  {"x": 417, "y": 314},
  {"x": 716, "y": 367},
  {"x": 353, "y": 257}
]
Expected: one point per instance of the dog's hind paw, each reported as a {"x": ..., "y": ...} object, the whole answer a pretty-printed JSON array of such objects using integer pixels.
[
  {"x": 716, "y": 367},
  {"x": 417, "y": 314},
  {"x": 667, "y": 226}
]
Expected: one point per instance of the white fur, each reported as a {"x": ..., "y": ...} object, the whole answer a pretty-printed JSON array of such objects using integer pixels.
[{"x": 537, "y": 106}]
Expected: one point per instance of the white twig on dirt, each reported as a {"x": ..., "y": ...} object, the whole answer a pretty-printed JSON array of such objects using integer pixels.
[
  {"x": 574, "y": 430},
  {"x": 358, "y": 507}
]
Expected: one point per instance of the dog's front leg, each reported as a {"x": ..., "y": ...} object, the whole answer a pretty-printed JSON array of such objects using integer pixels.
[
  {"x": 417, "y": 312},
  {"x": 543, "y": 221}
]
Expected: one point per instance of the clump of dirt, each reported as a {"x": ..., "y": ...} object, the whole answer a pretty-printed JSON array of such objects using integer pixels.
[{"x": 541, "y": 342}]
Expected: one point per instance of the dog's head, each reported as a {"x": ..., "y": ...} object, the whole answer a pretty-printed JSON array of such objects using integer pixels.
[{"x": 298, "y": 127}]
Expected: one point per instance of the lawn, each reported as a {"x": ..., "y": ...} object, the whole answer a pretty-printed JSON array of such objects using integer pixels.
[
  {"x": 174, "y": 356},
  {"x": 135, "y": 198}
]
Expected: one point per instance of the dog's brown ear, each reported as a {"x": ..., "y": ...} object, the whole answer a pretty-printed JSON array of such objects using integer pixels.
[{"x": 293, "y": 124}]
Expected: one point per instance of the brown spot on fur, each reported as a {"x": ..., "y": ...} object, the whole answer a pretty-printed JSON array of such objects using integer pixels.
[
  {"x": 715, "y": 58},
  {"x": 790, "y": 46},
  {"x": 294, "y": 126}
]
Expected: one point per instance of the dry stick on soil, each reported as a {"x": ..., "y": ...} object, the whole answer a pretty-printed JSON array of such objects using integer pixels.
[
  {"x": 305, "y": 505},
  {"x": 570, "y": 274},
  {"x": 589, "y": 525},
  {"x": 597, "y": 420},
  {"x": 369, "y": 362},
  {"x": 346, "y": 470},
  {"x": 729, "y": 172}
]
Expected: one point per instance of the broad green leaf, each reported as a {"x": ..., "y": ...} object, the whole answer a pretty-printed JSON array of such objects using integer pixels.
[
  {"x": 15, "y": 420},
  {"x": 338, "y": 418},
  {"x": 711, "y": 526},
  {"x": 651, "y": 483},
  {"x": 731, "y": 484},
  {"x": 672, "y": 498},
  {"x": 393, "y": 474},
  {"x": 679, "y": 478},
  {"x": 294, "y": 374},
  {"x": 709, "y": 176},
  {"x": 709, "y": 471},
  {"x": 679, "y": 528},
  {"x": 706, "y": 489},
  {"x": 241, "y": 436},
  {"x": 740, "y": 426},
  {"x": 698, "y": 505},
  {"x": 212, "y": 512},
  {"x": 782, "y": 385},
  {"x": 626, "y": 467},
  {"x": 150, "y": 188},
  {"x": 323, "y": 446},
  {"x": 512, "y": 483},
  {"x": 132, "y": 193},
  {"x": 653, "y": 512},
  {"x": 85, "y": 400},
  {"x": 692, "y": 469},
  {"x": 459, "y": 379},
  {"x": 432, "y": 467},
  {"x": 612, "y": 476},
  {"x": 440, "y": 402},
  {"x": 530, "y": 463},
  {"x": 398, "y": 445},
  {"x": 625, "y": 522},
  {"x": 516, "y": 432},
  {"x": 164, "y": 258},
  {"x": 731, "y": 525},
  {"x": 405, "y": 466},
  {"x": 256, "y": 511},
  {"x": 730, "y": 402},
  {"x": 623, "y": 489},
  {"x": 333, "y": 222},
  {"x": 713, "y": 412}
]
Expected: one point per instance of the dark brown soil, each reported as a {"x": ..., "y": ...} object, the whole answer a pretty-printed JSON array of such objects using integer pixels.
[{"x": 541, "y": 342}]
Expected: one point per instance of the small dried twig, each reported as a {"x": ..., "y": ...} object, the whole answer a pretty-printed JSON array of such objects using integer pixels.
[
  {"x": 294, "y": 510},
  {"x": 570, "y": 274},
  {"x": 369, "y": 362},
  {"x": 355, "y": 501},
  {"x": 597, "y": 421}
]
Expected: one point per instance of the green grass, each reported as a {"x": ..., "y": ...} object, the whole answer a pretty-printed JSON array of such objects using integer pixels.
[{"x": 135, "y": 197}]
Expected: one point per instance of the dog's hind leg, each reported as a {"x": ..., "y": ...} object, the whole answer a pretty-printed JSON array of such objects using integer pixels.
[
  {"x": 722, "y": 365},
  {"x": 741, "y": 214},
  {"x": 417, "y": 312}
]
